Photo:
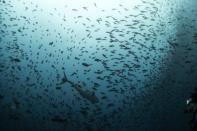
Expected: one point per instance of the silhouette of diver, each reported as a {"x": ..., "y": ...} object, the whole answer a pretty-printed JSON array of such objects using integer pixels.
[{"x": 192, "y": 108}]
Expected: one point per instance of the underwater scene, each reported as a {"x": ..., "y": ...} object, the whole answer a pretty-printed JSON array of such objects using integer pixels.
[{"x": 98, "y": 65}]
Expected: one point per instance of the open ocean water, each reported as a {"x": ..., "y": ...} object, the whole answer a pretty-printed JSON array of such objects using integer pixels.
[{"x": 97, "y": 65}]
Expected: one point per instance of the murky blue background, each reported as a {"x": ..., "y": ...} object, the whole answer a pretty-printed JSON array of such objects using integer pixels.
[{"x": 147, "y": 52}]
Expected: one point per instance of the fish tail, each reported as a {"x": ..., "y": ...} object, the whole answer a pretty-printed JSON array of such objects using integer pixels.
[{"x": 66, "y": 77}]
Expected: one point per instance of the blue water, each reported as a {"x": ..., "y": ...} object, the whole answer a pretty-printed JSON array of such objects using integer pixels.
[{"x": 140, "y": 63}]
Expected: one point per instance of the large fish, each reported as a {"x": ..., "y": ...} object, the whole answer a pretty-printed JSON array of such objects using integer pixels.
[{"x": 89, "y": 95}]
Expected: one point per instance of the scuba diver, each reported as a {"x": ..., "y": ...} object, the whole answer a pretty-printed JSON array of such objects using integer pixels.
[{"x": 191, "y": 104}]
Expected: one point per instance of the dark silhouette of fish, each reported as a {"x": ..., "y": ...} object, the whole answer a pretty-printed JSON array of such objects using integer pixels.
[
  {"x": 64, "y": 80},
  {"x": 15, "y": 59},
  {"x": 59, "y": 120},
  {"x": 86, "y": 64},
  {"x": 89, "y": 95},
  {"x": 50, "y": 43}
]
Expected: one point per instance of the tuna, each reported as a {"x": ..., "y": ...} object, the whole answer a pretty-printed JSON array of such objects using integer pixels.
[{"x": 87, "y": 94}]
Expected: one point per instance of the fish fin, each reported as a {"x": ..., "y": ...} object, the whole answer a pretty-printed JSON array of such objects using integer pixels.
[{"x": 65, "y": 77}]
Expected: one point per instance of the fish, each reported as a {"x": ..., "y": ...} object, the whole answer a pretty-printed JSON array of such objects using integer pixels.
[
  {"x": 58, "y": 87},
  {"x": 85, "y": 8},
  {"x": 15, "y": 59},
  {"x": 50, "y": 43},
  {"x": 89, "y": 95},
  {"x": 59, "y": 120},
  {"x": 64, "y": 80},
  {"x": 95, "y": 5},
  {"x": 86, "y": 64},
  {"x": 110, "y": 105},
  {"x": 74, "y": 10}
]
